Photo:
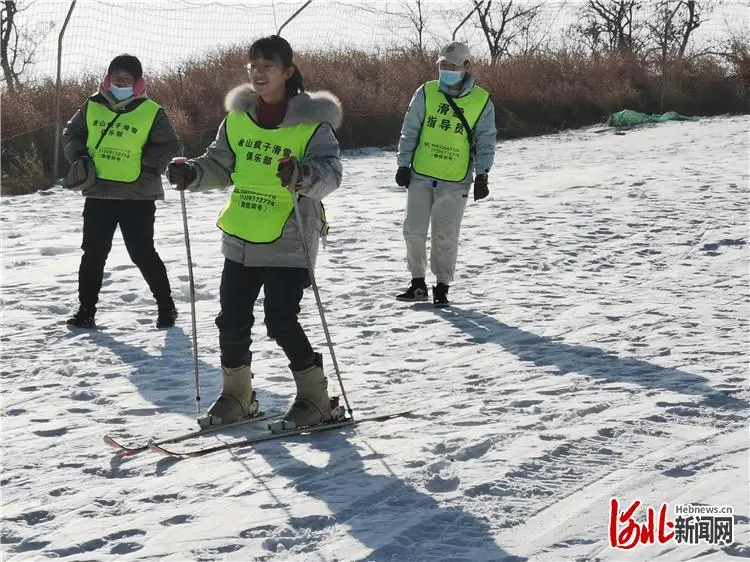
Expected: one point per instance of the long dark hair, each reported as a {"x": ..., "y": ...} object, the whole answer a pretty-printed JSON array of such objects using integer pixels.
[{"x": 275, "y": 47}]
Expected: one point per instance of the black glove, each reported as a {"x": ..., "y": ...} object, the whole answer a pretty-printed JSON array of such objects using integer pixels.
[
  {"x": 180, "y": 173},
  {"x": 480, "y": 187},
  {"x": 403, "y": 176},
  {"x": 81, "y": 174},
  {"x": 287, "y": 169}
]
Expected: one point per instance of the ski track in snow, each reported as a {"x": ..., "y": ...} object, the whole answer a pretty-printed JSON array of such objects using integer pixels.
[{"x": 597, "y": 347}]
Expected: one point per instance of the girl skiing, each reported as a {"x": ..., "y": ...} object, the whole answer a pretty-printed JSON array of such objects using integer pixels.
[{"x": 274, "y": 134}]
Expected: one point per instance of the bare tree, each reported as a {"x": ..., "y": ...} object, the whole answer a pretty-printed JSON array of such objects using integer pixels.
[
  {"x": 736, "y": 49},
  {"x": 505, "y": 26},
  {"x": 416, "y": 17},
  {"x": 7, "y": 27},
  {"x": 18, "y": 43},
  {"x": 477, "y": 5},
  {"x": 410, "y": 22},
  {"x": 610, "y": 26},
  {"x": 536, "y": 35},
  {"x": 692, "y": 21},
  {"x": 672, "y": 25}
]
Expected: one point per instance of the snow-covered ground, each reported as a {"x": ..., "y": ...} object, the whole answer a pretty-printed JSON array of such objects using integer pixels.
[{"x": 597, "y": 348}]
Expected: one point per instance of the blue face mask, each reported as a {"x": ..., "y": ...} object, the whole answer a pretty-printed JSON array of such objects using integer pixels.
[
  {"x": 121, "y": 93},
  {"x": 451, "y": 77}
]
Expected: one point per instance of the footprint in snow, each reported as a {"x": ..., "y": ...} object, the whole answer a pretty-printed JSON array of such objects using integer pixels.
[
  {"x": 34, "y": 517},
  {"x": 51, "y": 432},
  {"x": 177, "y": 520},
  {"x": 438, "y": 484}
]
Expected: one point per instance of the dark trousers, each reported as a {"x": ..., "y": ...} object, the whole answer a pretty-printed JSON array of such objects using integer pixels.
[
  {"x": 136, "y": 220},
  {"x": 282, "y": 287}
]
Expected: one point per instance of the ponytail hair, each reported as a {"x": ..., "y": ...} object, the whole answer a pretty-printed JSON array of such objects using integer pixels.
[
  {"x": 275, "y": 47},
  {"x": 294, "y": 83}
]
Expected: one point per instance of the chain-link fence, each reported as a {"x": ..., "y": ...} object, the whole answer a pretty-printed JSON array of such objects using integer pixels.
[{"x": 167, "y": 33}]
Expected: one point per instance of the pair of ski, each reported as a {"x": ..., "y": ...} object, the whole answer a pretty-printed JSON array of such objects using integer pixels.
[{"x": 161, "y": 446}]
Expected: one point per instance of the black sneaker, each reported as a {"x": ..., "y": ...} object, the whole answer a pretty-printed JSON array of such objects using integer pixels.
[
  {"x": 440, "y": 294},
  {"x": 417, "y": 291},
  {"x": 84, "y": 318},
  {"x": 167, "y": 316}
]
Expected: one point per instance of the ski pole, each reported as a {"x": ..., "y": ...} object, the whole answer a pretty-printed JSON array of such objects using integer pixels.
[
  {"x": 311, "y": 273},
  {"x": 192, "y": 292}
]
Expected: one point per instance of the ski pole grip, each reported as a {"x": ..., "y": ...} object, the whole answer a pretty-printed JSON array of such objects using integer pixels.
[{"x": 180, "y": 160}]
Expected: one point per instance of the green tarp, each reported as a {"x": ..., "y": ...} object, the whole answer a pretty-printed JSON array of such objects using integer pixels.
[{"x": 630, "y": 118}]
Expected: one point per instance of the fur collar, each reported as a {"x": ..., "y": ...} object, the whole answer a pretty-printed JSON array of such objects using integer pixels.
[{"x": 307, "y": 107}]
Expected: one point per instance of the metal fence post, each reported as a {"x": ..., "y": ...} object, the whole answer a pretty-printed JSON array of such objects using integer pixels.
[
  {"x": 58, "y": 126},
  {"x": 294, "y": 15}
]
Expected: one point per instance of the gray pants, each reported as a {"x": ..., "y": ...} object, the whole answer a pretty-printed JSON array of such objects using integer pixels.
[{"x": 443, "y": 209}]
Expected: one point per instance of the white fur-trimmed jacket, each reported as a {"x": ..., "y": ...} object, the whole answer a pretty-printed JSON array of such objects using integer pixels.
[{"x": 215, "y": 167}]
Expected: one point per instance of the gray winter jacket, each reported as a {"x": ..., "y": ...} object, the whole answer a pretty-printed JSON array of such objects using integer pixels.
[
  {"x": 162, "y": 145},
  {"x": 485, "y": 135},
  {"x": 322, "y": 156}
]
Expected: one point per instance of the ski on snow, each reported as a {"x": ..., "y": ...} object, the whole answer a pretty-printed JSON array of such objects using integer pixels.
[
  {"x": 124, "y": 450},
  {"x": 157, "y": 447}
]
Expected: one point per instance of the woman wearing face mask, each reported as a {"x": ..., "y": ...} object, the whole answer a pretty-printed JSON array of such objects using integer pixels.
[
  {"x": 438, "y": 154},
  {"x": 276, "y": 142},
  {"x": 118, "y": 144}
]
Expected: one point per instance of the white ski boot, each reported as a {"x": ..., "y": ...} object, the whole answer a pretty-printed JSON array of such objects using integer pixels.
[
  {"x": 237, "y": 400},
  {"x": 312, "y": 405}
]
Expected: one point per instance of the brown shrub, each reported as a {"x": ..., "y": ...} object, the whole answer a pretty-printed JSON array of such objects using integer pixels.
[{"x": 533, "y": 94}]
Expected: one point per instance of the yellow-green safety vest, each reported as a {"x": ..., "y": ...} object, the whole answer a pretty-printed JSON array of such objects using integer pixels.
[
  {"x": 118, "y": 156},
  {"x": 260, "y": 206},
  {"x": 443, "y": 151}
]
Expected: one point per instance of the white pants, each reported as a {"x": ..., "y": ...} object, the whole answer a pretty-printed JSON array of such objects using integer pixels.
[{"x": 444, "y": 209}]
